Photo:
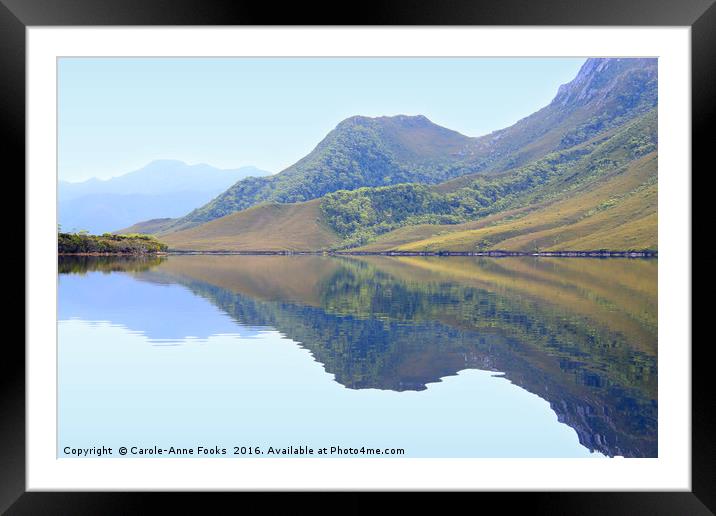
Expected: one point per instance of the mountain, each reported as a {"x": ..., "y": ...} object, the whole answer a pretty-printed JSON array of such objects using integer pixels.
[
  {"x": 159, "y": 177},
  {"x": 581, "y": 173},
  {"x": 163, "y": 188},
  {"x": 360, "y": 151},
  {"x": 601, "y": 194},
  {"x": 577, "y": 199},
  {"x": 364, "y": 152},
  {"x": 605, "y": 94}
]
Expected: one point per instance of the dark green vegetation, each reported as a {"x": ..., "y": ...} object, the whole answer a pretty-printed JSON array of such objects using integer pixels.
[
  {"x": 581, "y": 334},
  {"x": 82, "y": 243},
  {"x": 580, "y": 174}
]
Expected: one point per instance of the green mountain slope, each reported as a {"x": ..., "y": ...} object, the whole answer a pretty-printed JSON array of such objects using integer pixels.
[
  {"x": 555, "y": 191},
  {"x": 383, "y": 151},
  {"x": 618, "y": 213},
  {"x": 360, "y": 151}
]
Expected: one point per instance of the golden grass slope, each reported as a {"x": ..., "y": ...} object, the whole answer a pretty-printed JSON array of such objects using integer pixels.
[
  {"x": 267, "y": 227},
  {"x": 146, "y": 227},
  {"x": 615, "y": 213}
]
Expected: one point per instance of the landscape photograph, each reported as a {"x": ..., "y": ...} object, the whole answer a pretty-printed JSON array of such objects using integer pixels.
[{"x": 364, "y": 257}]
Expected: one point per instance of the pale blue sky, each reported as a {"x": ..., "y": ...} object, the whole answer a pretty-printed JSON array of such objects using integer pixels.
[{"x": 118, "y": 114}]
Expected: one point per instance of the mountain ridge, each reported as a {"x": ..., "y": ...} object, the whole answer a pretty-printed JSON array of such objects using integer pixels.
[
  {"x": 162, "y": 188},
  {"x": 408, "y": 159},
  {"x": 164, "y": 175}
]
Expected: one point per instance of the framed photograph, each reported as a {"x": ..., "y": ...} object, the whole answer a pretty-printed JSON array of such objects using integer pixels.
[{"x": 421, "y": 249}]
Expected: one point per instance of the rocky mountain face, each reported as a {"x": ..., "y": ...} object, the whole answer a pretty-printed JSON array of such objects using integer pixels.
[
  {"x": 600, "y": 80},
  {"x": 605, "y": 94}
]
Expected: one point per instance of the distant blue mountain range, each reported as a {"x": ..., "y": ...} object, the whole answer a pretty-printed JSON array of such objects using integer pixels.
[{"x": 163, "y": 188}]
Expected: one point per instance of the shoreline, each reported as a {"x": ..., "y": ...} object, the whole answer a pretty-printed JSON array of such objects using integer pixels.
[
  {"x": 494, "y": 254},
  {"x": 158, "y": 253}
]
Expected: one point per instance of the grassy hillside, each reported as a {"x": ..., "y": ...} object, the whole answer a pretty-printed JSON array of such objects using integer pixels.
[
  {"x": 153, "y": 226},
  {"x": 569, "y": 198},
  {"x": 619, "y": 213},
  {"x": 267, "y": 227}
]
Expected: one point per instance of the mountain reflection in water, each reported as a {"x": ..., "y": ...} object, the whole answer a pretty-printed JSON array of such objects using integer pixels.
[{"x": 579, "y": 333}]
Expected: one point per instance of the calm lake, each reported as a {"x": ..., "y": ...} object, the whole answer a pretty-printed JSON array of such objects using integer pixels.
[{"x": 437, "y": 356}]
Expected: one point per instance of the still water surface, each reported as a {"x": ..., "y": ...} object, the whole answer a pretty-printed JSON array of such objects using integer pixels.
[{"x": 438, "y": 356}]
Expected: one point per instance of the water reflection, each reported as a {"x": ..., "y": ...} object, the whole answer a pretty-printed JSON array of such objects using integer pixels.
[{"x": 579, "y": 333}]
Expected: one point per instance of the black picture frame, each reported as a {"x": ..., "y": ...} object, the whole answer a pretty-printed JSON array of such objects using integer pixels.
[{"x": 16, "y": 15}]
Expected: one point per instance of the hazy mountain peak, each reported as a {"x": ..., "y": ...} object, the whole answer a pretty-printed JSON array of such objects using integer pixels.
[
  {"x": 164, "y": 163},
  {"x": 161, "y": 188}
]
